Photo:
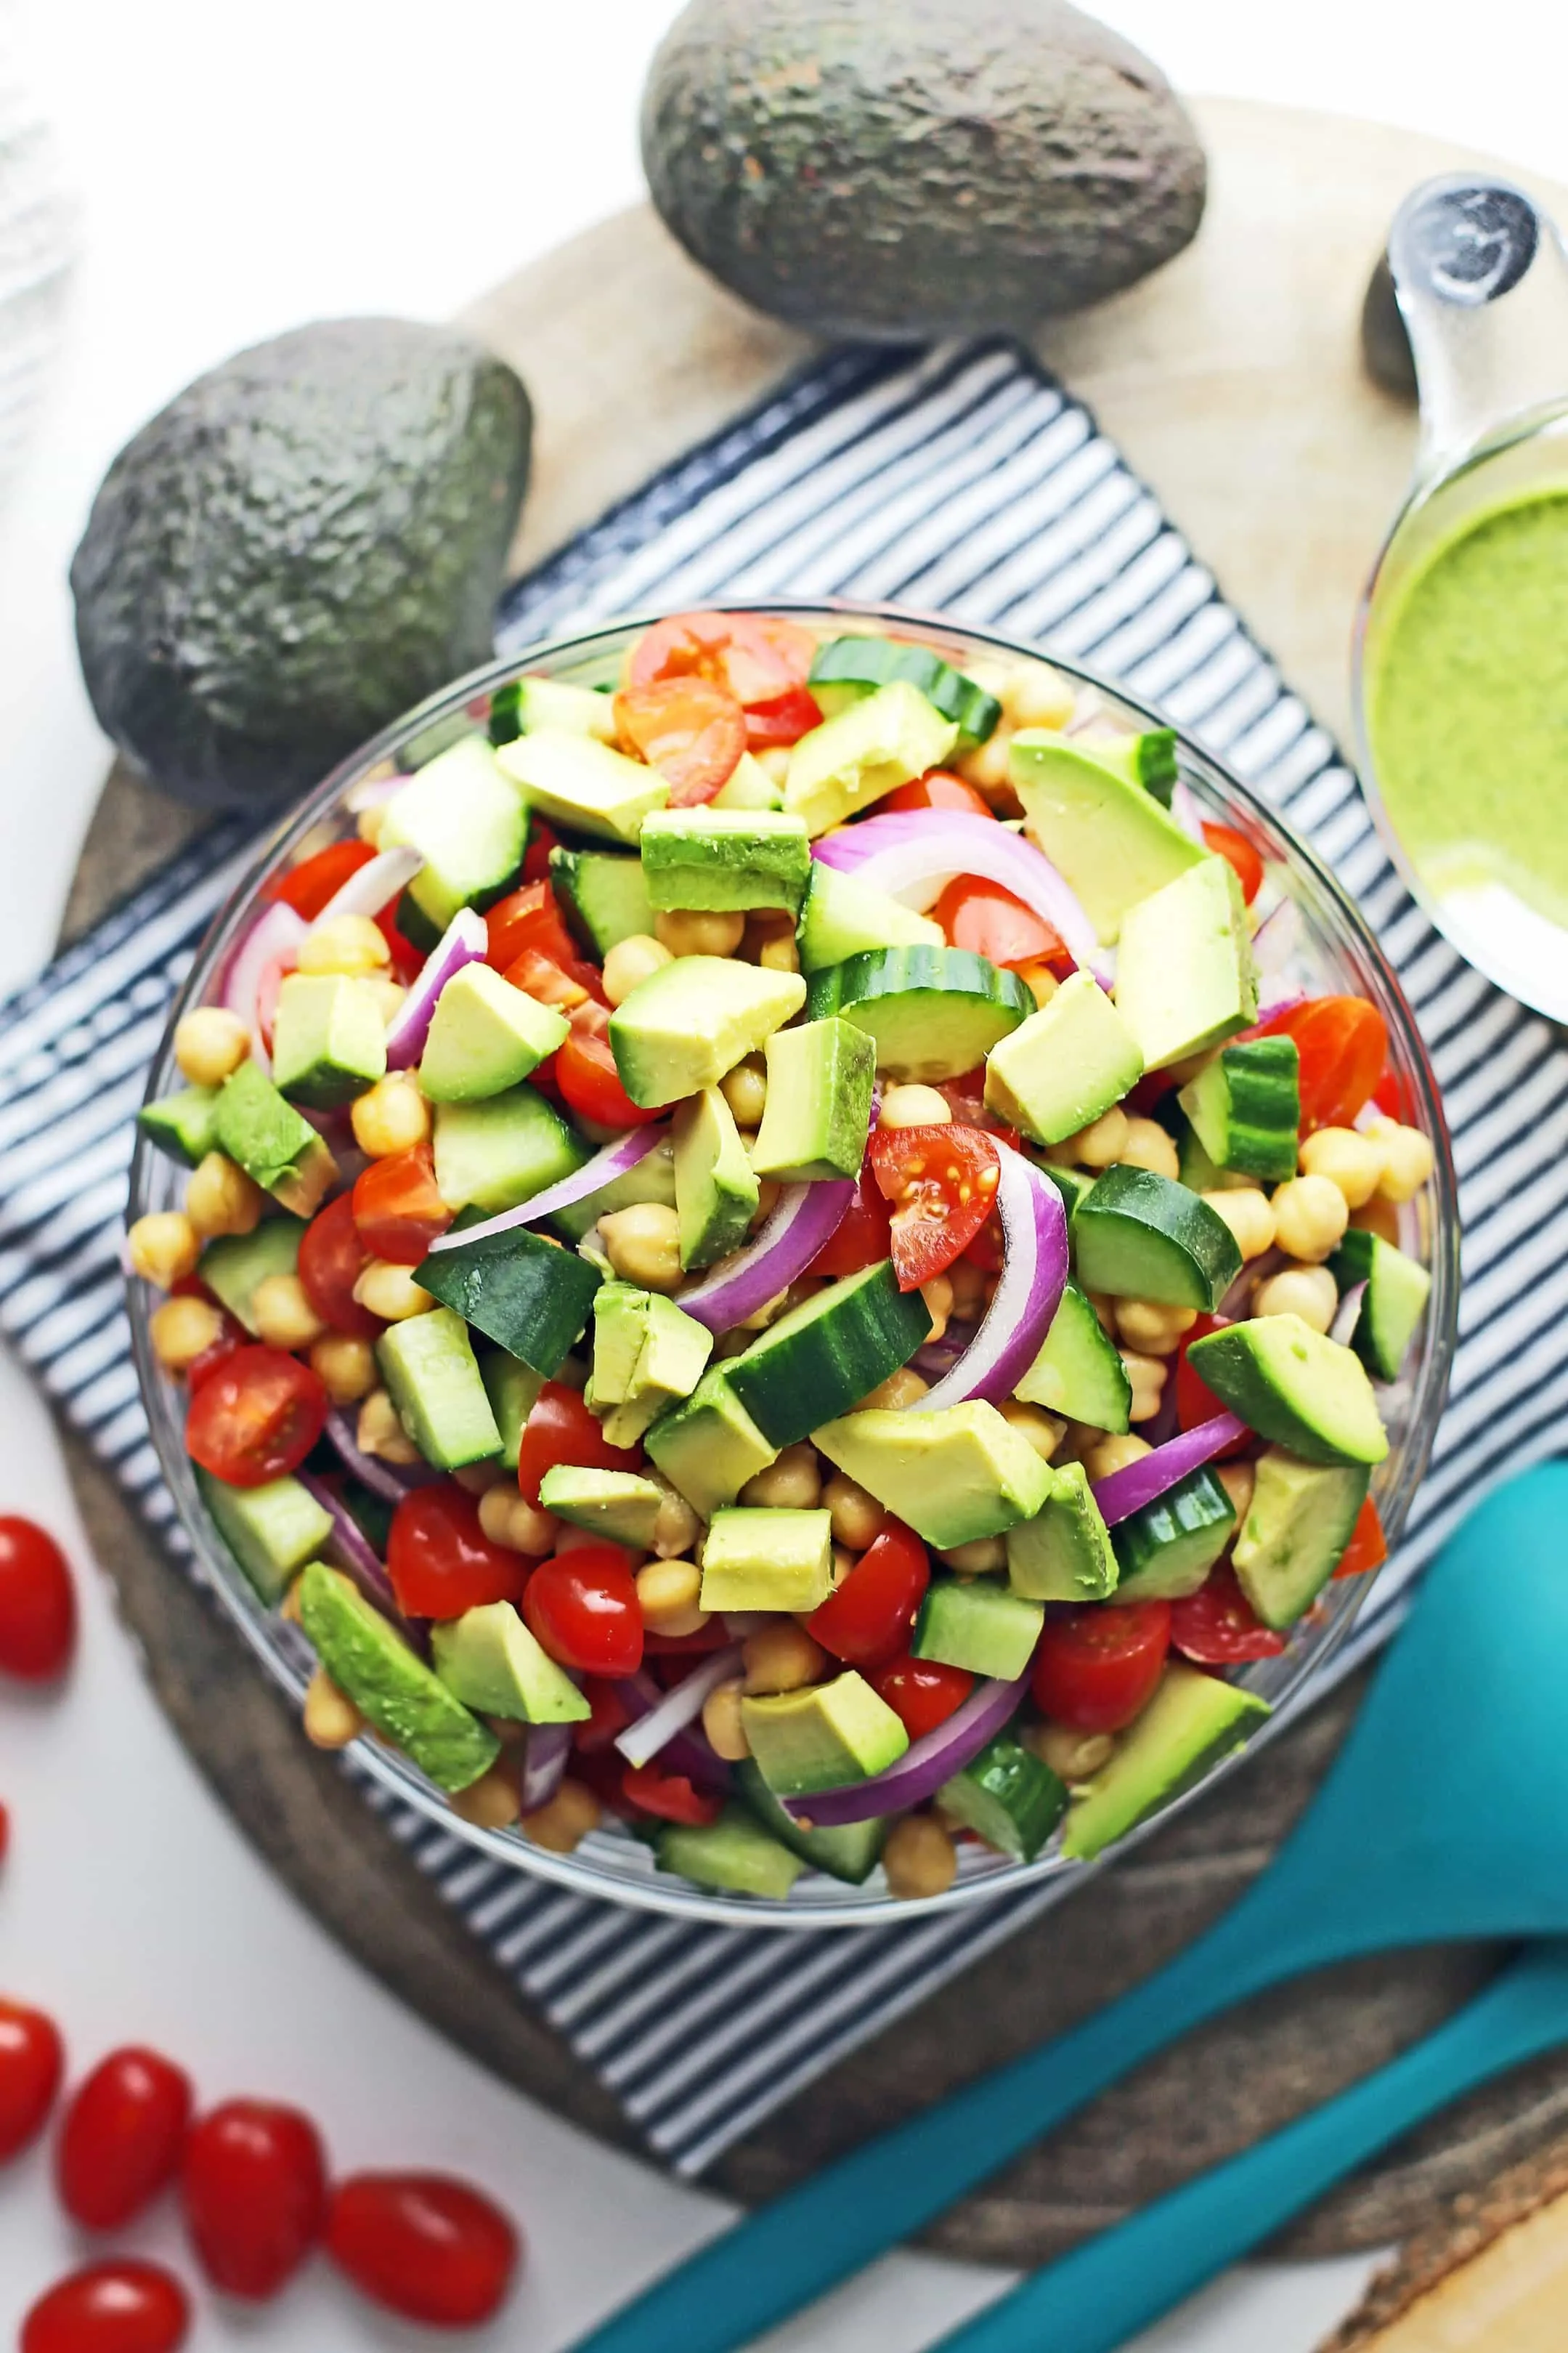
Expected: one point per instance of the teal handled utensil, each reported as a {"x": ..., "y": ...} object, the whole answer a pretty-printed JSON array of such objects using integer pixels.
[
  {"x": 1095, "y": 2299},
  {"x": 1445, "y": 1815}
]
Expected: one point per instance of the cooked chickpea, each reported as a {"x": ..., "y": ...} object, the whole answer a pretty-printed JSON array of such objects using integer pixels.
[
  {"x": 1355, "y": 1163},
  {"x": 856, "y": 1517},
  {"x": 722, "y": 1723},
  {"x": 283, "y": 1316},
  {"x": 793, "y": 1484},
  {"x": 1408, "y": 1158},
  {"x": 780, "y": 955},
  {"x": 920, "y": 1859},
  {"x": 983, "y": 1558},
  {"x": 491, "y": 1803},
  {"x": 210, "y": 1044},
  {"x": 164, "y": 1246},
  {"x": 1035, "y": 696},
  {"x": 1147, "y": 1375},
  {"x": 1308, "y": 1291},
  {"x": 1104, "y": 1308},
  {"x": 1114, "y": 1453},
  {"x": 938, "y": 1296},
  {"x": 631, "y": 962},
  {"x": 695, "y": 931},
  {"x": 899, "y": 1392},
  {"x": 1098, "y": 1146},
  {"x": 1151, "y": 1327},
  {"x": 182, "y": 1330},
  {"x": 1249, "y": 1214},
  {"x": 968, "y": 1281},
  {"x": 676, "y": 1528},
  {"x": 745, "y": 1089},
  {"x": 565, "y": 1820},
  {"x": 844, "y": 1561},
  {"x": 345, "y": 1366},
  {"x": 222, "y": 1200},
  {"x": 356, "y": 945},
  {"x": 390, "y": 1117},
  {"x": 986, "y": 765},
  {"x": 477, "y": 1479},
  {"x": 390, "y": 1291},
  {"x": 1311, "y": 1215},
  {"x": 1074, "y": 1757},
  {"x": 379, "y": 1431},
  {"x": 331, "y": 1718},
  {"x": 643, "y": 1245},
  {"x": 1238, "y": 1479},
  {"x": 1042, "y": 1430},
  {"x": 508, "y": 1520},
  {"x": 669, "y": 1594},
  {"x": 915, "y": 1106},
  {"x": 780, "y": 1657},
  {"x": 1149, "y": 1147}
]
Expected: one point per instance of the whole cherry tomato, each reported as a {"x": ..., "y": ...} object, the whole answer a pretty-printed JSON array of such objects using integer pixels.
[
  {"x": 119, "y": 2306},
  {"x": 1368, "y": 1546},
  {"x": 866, "y": 1620},
  {"x": 921, "y": 1693},
  {"x": 582, "y": 1606},
  {"x": 120, "y": 2141},
  {"x": 254, "y": 2189},
  {"x": 423, "y": 2245},
  {"x": 1099, "y": 1666},
  {"x": 861, "y": 1237},
  {"x": 990, "y": 920},
  {"x": 397, "y": 1205},
  {"x": 255, "y": 1417},
  {"x": 1195, "y": 1401},
  {"x": 1218, "y": 1625},
  {"x": 690, "y": 730},
  {"x": 939, "y": 789},
  {"x": 32, "y": 2061},
  {"x": 1237, "y": 852},
  {"x": 307, "y": 886},
  {"x": 585, "y": 1072},
  {"x": 440, "y": 1560},
  {"x": 333, "y": 1257},
  {"x": 1343, "y": 1045},
  {"x": 560, "y": 1429},
  {"x": 941, "y": 1181},
  {"x": 38, "y": 1602},
  {"x": 669, "y": 1796}
]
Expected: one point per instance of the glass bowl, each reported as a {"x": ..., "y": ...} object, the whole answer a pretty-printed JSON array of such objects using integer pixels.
[{"x": 1330, "y": 947}]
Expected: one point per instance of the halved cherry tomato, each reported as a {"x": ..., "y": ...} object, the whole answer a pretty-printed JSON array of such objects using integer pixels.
[
  {"x": 1099, "y": 1666},
  {"x": 121, "y": 2139},
  {"x": 1218, "y": 1625},
  {"x": 257, "y": 1417},
  {"x": 861, "y": 1237},
  {"x": 423, "y": 2245},
  {"x": 254, "y": 2184},
  {"x": 560, "y": 1429},
  {"x": 529, "y": 918},
  {"x": 32, "y": 2061},
  {"x": 1237, "y": 852},
  {"x": 988, "y": 920},
  {"x": 938, "y": 789},
  {"x": 941, "y": 1181},
  {"x": 782, "y": 718},
  {"x": 118, "y": 2306},
  {"x": 333, "y": 1257},
  {"x": 692, "y": 731},
  {"x": 608, "y": 1715},
  {"x": 585, "y": 1071},
  {"x": 671, "y": 1797},
  {"x": 307, "y": 886},
  {"x": 38, "y": 1602},
  {"x": 1343, "y": 1045},
  {"x": 921, "y": 1693},
  {"x": 440, "y": 1560},
  {"x": 1368, "y": 1546},
  {"x": 536, "y": 976},
  {"x": 754, "y": 656},
  {"x": 582, "y": 1606},
  {"x": 1195, "y": 1401},
  {"x": 397, "y": 1205},
  {"x": 867, "y": 1621},
  {"x": 233, "y": 1335}
]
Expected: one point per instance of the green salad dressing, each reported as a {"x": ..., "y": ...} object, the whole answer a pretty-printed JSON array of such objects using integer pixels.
[{"x": 1468, "y": 711}]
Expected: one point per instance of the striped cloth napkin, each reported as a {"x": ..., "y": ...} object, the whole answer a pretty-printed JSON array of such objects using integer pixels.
[{"x": 962, "y": 480}]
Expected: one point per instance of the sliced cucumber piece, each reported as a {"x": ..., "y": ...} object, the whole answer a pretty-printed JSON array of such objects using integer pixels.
[
  {"x": 1397, "y": 1290},
  {"x": 1245, "y": 1107},
  {"x": 271, "y": 1530},
  {"x": 525, "y": 703},
  {"x": 234, "y": 1264},
  {"x": 1143, "y": 1236},
  {"x": 513, "y": 1389},
  {"x": 652, "y": 1179},
  {"x": 1078, "y": 1371},
  {"x": 1008, "y": 1797},
  {"x": 603, "y": 896},
  {"x": 496, "y": 1155},
  {"x": 828, "y": 1353},
  {"x": 1193, "y": 1720},
  {"x": 428, "y": 1365},
  {"x": 1295, "y": 1388},
  {"x": 840, "y": 917},
  {"x": 977, "y": 1623},
  {"x": 850, "y": 1852},
  {"x": 530, "y": 1295},
  {"x": 933, "y": 1013},
  {"x": 734, "y": 1853},
  {"x": 1168, "y": 1548},
  {"x": 845, "y": 668},
  {"x": 185, "y": 1125}
]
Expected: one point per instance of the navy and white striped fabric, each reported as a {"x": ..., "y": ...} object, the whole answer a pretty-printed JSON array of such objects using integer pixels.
[{"x": 960, "y": 479}]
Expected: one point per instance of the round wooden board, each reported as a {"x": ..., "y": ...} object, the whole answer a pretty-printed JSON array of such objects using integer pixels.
[{"x": 1232, "y": 381}]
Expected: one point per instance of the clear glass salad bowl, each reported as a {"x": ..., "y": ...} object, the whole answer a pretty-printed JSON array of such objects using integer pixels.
[{"x": 1320, "y": 944}]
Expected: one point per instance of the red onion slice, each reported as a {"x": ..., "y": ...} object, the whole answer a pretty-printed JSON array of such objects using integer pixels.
[
  {"x": 464, "y": 941},
  {"x": 1348, "y": 1315},
  {"x": 272, "y": 943},
  {"x": 1232, "y": 1308},
  {"x": 351, "y": 1547},
  {"x": 804, "y": 1218},
  {"x": 641, "y": 1741},
  {"x": 390, "y": 1480},
  {"x": 1029, "y": 1291},
  {"x": 913, "y": 855},
  {"x": 684, "y": 1751},
  {"x": 543, "y": 1764},
  {"x": 1153, "y": 1475},
  {"x": 922, "y": 1768},
  {"x": 374, "y": 885},
  {"x": 612, "y": 1161}
]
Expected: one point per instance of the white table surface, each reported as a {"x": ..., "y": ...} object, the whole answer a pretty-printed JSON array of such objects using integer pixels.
[{"x": 239, "y": 170}]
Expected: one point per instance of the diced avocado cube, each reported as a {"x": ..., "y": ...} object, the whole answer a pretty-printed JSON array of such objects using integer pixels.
[
  {"x": 1140, "y": 1235},
  {"x": 583, "y": 785},
  {"x": 879, "y": 743},
  {"x": 528, "y": 704},
  {"x": 328, "y": 1041},
  {"x": 183, "y": 1126},
  {"x": 715, "y": 1189},
  {"x": 488, "y": 1660},
  {"x": 824, "y": 1356},
  {"x": 734, "y": 1854},
  {"x": 819, "y": 1111},
  {"x": 1185, "y": 976},
  {"x": 271, "y": 1530},
  {"x": 695, "y": 1019},
  {"x": 619, "y": 1504},
  {"x": 1008, "y": 1797},
  {"x": 979, "y": 1624},
  {"x": 467, "y": 825},
  {"x": 368, "y": 1658},
  {"x": 840, "y": 918},
  {"x": 846, "y": 1851},
  {"x": 1065, "y": 1552},
  {"x": 1392, "y": 1305},
  {"x": 530, "y": 1295},
  {"x": 709, "y": 1446},
  {"x": 724, "y": 859},
  {"x": 485, "y": 1036},
  {"x": 497, "y": 1155},
  {"x": 648, "y": 1354},
  {"x": 1065, "y": 1065},
  {"x": 1245, "y": 1107},
  {"x": 1165, "y": 1551},
  {"x": 954, "y": 1475},
  {"x": 603, "y": 895},
  {"x": 818, "y": 1738},
  {"x": 234, "y": 1264},
  {"x": 1147, "y": 760},
  {"x": 1295, "y": 1388},
  {"x": 1079, "y": 1372},
  {"x": 1300, "y": 1518},
  {"x": 276, "y": 1148},
  {"x": 1109, "y": 840},
  {"x": 1190, "y": 1724},
  {"x": 767, "y": 1559},
  {"x": 428, "y": 1364},
  {"x": 748, "y": 787},
  {"x": 513, "y": 1389},
  {"x": 620, "y": 1327},
  {"x": 651, "y": 1178}
]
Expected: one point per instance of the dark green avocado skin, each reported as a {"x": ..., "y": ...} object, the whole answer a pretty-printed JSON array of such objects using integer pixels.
[
  {"x": 905, "y": 168},
  {"x": 306, "y": 541}
]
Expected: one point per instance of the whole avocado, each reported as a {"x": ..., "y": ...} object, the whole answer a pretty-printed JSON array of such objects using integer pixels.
[
  {"x": 307, "y": 539},
  {"x": 859, "y": 168}
]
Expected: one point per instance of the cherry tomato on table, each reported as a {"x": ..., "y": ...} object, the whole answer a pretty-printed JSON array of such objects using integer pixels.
[
  {"x": 984, "y": 918},
  {"x": 1368, "y": 1546},
  {"x": 1218, "y": 1625},
  {"x": 119, "y": 2306},
  {"x": 585, "y": 1071},
  {"x": 941, "y": 1181},
  {"x": 440, "y": 1560},
  {"x": 254, "y": 2184},
  {"x": 865, "y": 1623},
  {"x": 1098, "y": 1667},
  {"x": 38, "y": 1602},
  {"x": 32, "y": 2061},
  {"x": 582, "y": 1607},
  {"x": 333, "y": 1257},
  {"x": 860, "y": 1238},
  {"x": 753, "y": 656},
  {"x": 307, "y": 886},
  {"x": 1195, "y": 1401},
  {"x": 669, "y": 1796},
  {"x": 1238, "y": 852},
  {"x": 397, "y": 1205},
  {"x": 560, "y": 1429},
  {"x": 423, "y": 2245},
  {"x": 921, "y": 1693},
  {"x": 692, "y": 731},
  {"x": 1342, "y": 1042},
  {"x": 257, "y": 1417},
  {"x": 940, "y": 790},
  {"x": 121, "y": 2139}
]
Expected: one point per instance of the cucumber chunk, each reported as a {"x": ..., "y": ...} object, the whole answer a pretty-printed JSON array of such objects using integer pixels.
[
  {"x": 840, "y": 917},
  {"x": 1245, "y": 1107},
  {"x": 979, "y": 1624},
  {"x": 850, "y": 1851},
  {"x": 185, "y": 1125},
  {"x": 846, "y": 668},
  {"x": 1143, "y": 1236},
  {"x": 1397, "y": 1290},
  {"x": 528, "y": 1295},
  {"x": 828, "y": 1353},
  {"x": 234, "y": 1264},
  {"x": 1079, "y": 1372},
  {"x": 1008, "y": 1797},
  {"x": 1193, "y": 1720},
  {"x": 1294, "y": 1387},
  {"x": 1167, "y": 1549},
  {"x": 933, "y": 1013},
  {"x": 734, "y": 1853},
  {"x": 604, "y": 897}
]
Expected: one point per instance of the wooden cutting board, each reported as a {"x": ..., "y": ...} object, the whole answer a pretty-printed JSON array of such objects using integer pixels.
[{"x": 1233, "y": 383}]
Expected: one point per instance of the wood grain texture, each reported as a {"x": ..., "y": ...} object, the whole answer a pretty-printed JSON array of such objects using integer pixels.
[{"x": 1232, "y": 382}]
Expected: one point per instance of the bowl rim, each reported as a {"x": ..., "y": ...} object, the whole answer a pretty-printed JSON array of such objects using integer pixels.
[{"x": 366, "y": 1758}]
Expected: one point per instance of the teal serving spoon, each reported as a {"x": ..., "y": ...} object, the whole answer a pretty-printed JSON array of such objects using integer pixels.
[
  {"x": 1445, "y": 1815},
  {"x": 1095, "y": 2299}
]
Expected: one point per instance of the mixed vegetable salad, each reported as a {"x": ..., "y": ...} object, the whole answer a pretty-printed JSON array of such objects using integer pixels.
[{"x": 772, "y": 1253}]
